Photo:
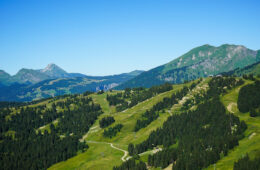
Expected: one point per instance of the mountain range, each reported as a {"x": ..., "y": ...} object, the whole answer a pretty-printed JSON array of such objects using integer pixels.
[
  {"x": 30, "y": 76},
  {"x": 203, "y": 61},
  {"x": 29, "y": 84}
]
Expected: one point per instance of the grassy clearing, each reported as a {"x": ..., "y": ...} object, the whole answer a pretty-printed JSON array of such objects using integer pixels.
[
  {"x": 128, "y": 119},
  {"x": 98, "y": 157},
  {"x": 250, "y": 143}
]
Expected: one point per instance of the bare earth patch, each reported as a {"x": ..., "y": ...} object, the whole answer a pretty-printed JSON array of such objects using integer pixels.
[
  {"x": 230, "y": 105},
  {"x": 252, "y": 135}
]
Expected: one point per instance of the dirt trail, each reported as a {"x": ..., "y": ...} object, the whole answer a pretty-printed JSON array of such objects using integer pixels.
[
  {"x": 123, "y": 158},
  {"x": 125, "y": 152},
  {"x": 91, "y": 130}
]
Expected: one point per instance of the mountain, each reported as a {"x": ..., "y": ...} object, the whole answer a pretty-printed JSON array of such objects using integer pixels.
[
  {"x": 29, "y": 76},
  {"x": 54, "y": 71},
  {"x": 250, "y": 69},
  {"x": 4, "y": 77},
  {"x": 77, "y": 83},
  {"x": 202, "y": 61}
]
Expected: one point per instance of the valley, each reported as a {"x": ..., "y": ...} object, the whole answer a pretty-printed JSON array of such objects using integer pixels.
[{"x": 129, "y": 85}]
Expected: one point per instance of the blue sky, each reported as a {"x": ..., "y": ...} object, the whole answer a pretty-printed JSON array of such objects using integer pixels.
[{"x": 102, "y": 37}]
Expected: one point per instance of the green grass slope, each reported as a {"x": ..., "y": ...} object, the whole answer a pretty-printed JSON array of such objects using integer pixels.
[
  {"x": 127, "y": 135},
  {"x": 202, "y": 61},
  {"x": 104, "y": 153},
  {"x": 250, "y": 143},
  {"x": 251, "y": 69}
]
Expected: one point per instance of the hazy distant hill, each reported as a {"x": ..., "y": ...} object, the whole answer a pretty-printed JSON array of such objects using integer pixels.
[
  {"x": 60, "y": 86},
  {"x": 4, "y": 77},
  {"x": 30, "y": 76},
  {"x": 202, "y": 61}
]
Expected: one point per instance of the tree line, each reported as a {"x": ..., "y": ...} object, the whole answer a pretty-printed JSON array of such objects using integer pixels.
[
  {"x": 246, "y": 164},
  {"x": 106, "y": 121},
  {"x": 249, "y": 99},
  {"x": 131, "y": 164},
  {"x": 167, "y": 102},
  {"x": 131, "y": 97}
]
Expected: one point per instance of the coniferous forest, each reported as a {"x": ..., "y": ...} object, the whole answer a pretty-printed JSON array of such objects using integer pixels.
[
  {"x": 202, "y": 135},
  {"x": 131, "y": 97},
  {"x": 29, "y": 148},
  {"x": 249, "y": 99},
  {"x": 106, "y": 121}
]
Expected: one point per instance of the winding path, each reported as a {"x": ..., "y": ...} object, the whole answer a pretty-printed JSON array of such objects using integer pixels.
[{"x": 111, "y": 144}]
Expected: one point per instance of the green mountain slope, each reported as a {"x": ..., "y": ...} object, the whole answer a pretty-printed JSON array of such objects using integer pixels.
[
  {"x": 4, "y": 77},
  {"x": 251, "y": 69},
  {"x": 29, "y": 76},
  {"x": 202, "y": 61},
  {"x": 101, "y": 155},
  {"x": 105, "y": 153}
]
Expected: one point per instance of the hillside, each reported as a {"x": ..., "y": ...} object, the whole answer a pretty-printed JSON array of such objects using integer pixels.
[
  {"x": 4, "y": 77},
  {"x": 202, "y": 61},
  {"x": 253, "y": 69},
  {"x": 164, "y": 105}
]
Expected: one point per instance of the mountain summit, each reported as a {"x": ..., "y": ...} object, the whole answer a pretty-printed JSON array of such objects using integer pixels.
[
  {"x": 28, "y": 76},
  {"x": 202, "y": 61},
  {"x": 54, "y": 71}
]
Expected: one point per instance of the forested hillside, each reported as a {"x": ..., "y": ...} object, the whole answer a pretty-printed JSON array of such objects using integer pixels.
[{"x": 207, "y": 123}]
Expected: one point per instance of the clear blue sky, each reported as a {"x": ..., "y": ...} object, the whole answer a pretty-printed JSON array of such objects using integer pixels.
[{"x": 97, "y": 37}]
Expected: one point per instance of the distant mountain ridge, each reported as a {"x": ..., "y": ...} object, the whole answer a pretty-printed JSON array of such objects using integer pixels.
[
  {"x": 51, "y": 71},
  {"x": 54, "y": 71},
  {"x": 29, "y": 84},
  {"x": 31, "y": 76},
  {"x": 202, "y": 61}
]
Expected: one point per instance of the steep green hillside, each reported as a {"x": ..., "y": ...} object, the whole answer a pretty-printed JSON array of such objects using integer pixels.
[
  {"x": 202, "y": 61},
  {"x": 4, "y": 77},
  {"x": 253, "y": 69},
  {"x": 250, "y": 143},
  {"x": 192, "y": 104},
  {"x": 29, "y": 76},
  {"x": 128, "y": 119}
]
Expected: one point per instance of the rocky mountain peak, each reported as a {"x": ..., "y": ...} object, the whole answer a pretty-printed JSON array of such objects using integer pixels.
[{"x": 54, "y": 71}]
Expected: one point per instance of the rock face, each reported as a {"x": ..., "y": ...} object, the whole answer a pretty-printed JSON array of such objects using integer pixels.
[{"x": 202, "y": 61}]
